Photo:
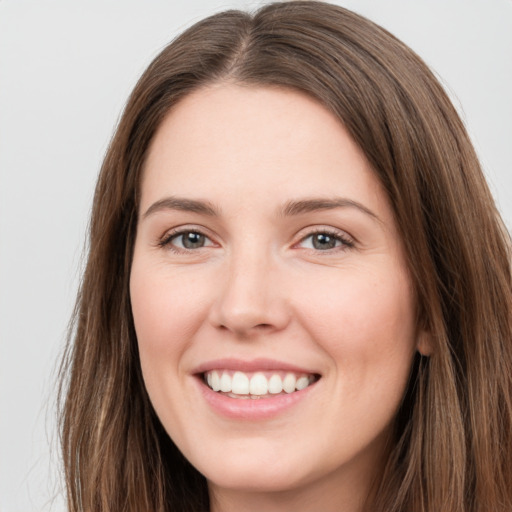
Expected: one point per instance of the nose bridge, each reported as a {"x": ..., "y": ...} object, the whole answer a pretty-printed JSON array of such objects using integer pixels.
[{"x": 250, "y": 298}]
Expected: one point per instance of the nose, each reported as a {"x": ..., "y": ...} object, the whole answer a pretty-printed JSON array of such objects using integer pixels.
[{"x": 252, "y": 299}]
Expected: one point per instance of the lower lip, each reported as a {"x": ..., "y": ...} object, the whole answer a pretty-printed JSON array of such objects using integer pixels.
[{"x": 252, "y": 409}]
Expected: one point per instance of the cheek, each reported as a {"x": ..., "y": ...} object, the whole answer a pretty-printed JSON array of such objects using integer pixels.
[
  {"x": 366, "y": 324},
  {"x": 167, "y": 309}
]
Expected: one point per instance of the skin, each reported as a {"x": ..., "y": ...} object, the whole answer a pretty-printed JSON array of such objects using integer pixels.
[{"x": 260, "y": 288}]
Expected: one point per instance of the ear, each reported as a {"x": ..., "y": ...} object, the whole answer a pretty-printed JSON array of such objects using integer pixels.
[{"x": 425, "y": 345}]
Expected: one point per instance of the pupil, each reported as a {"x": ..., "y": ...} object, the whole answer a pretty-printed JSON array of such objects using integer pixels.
[
  {"x": 323, "y": 241},
  {"x": 193, "y": 240}
]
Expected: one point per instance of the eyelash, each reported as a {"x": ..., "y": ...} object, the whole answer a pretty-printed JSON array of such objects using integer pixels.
[
  {"x": 346, "y": 241},
  {"x": 166, "y": 241}
]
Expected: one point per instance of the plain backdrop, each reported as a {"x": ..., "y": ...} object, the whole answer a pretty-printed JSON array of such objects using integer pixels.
[{"x": 66, "y": 69}]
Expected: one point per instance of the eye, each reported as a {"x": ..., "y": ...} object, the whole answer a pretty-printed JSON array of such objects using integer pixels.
[
  {"x": 186, "y": 240},
  {"x": 325, "y": 241}
]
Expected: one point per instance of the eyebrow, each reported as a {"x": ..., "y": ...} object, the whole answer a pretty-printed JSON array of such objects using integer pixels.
[
  {"x": 315, "y": 204},
  {"x": 291, "y": 208},
  {"x": 182, "y": 204}
]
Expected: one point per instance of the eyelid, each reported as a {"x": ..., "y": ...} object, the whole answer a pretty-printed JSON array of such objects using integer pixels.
[
  {"x": 165, "y": 240},
  {"x": 347, "y": 241}
]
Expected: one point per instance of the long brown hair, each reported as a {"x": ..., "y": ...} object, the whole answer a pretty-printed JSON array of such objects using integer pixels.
[{"x": 452, "y": 450}]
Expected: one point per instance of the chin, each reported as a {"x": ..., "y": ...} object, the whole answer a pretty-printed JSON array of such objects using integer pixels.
[
  {"x": 258, "y": 480},
  {"x": 240, "y": 473}
]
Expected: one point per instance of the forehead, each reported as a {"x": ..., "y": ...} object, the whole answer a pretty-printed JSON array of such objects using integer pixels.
[{"x": 231, "y": 141}]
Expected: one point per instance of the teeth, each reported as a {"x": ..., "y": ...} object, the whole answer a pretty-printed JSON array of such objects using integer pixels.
[
  {"x": 256, "y": 384},
  {"x": 225, "y": 383},
  {"x": 302, "y": 382},
  {"x": 259, "y": 384},
  {"x": 275, "y": 384},
  {"x": 240, "y": 384},
  {"x": 289, "y": 383},
  {"x": 215, "y": 385}
]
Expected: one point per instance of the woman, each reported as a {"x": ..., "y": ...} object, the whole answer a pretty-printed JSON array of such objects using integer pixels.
[{"x": 297, "y": 295}]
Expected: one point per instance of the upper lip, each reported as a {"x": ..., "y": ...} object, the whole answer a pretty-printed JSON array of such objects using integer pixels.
[{"x": 260, "y": 364}]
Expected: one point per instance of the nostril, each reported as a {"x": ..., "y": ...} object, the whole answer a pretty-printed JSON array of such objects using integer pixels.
[{"x": 243, "y": 332}]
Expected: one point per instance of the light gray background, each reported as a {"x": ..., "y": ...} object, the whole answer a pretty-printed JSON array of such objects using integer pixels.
[{"x": 66, "y": 68}]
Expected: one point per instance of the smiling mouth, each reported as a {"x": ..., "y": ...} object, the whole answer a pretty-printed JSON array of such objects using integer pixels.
[{"x": 257, "y": 385}]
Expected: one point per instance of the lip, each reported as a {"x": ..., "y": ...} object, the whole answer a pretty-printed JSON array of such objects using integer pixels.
[
  {"x": 250, "y": 409},
  {"x": 253, "y": 365}
]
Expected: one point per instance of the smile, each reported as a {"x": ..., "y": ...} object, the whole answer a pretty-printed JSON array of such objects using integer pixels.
[
  {"x": 256, "y": 385},
  {"x": 256, "y": 390}
]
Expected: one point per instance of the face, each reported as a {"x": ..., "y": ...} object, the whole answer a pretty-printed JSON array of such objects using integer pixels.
[{"x": 272, "y": 304}]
